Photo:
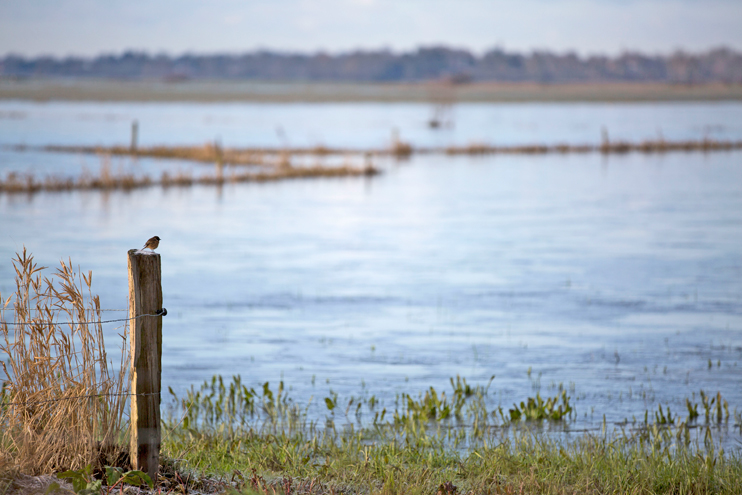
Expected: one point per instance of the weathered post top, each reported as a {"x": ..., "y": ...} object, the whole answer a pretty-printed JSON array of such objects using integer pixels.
[{"x": 145, "y": 337}]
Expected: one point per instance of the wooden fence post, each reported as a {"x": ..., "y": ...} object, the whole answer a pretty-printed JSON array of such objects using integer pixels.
[
  {"x": 134, "y": 136},
  {"x": 219, "y": 161},
  {"x": 145, "y": 338}
]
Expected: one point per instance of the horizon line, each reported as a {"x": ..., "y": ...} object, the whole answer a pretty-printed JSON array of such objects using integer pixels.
[{"x": 381, "y": 50}]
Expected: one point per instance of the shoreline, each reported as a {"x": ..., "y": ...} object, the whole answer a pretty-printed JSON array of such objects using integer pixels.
[{"x": 216, "y": 91}]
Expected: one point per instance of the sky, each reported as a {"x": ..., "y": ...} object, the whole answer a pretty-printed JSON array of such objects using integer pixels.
[{"x": 174, "y": 27}]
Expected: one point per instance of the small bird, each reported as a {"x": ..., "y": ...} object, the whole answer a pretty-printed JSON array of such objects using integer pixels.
[{"x": 152, "y": 243}]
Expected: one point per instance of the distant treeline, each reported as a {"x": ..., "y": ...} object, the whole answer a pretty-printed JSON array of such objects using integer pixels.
[{"x": 435, "y": 63}]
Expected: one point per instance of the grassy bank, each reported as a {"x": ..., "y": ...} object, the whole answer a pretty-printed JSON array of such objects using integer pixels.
[
  {"x": 519, "y": 463},
  {"x": 255, "y": 91}
]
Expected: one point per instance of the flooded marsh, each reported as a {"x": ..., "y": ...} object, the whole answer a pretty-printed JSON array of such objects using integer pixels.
[{"x": 615, "y": 278}]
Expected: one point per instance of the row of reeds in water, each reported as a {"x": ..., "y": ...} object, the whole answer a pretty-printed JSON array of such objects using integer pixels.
[
  {"x": 210, "y": 153},
  {"x": 276, "y": 164},
  {"x": 607, "y": 147},
  {"x": 213, "y": 153},
  {"x": 461, "y": 416},
  {"x": 279, "y": 169}
]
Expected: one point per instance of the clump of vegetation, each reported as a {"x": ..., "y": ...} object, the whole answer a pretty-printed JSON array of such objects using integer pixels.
[
  {"x": 62, "y": 404},
  {"x": 401, "y": 149},
  {"x": 535, "y": 409},
  {"x": 85, "y": 483},
  {"x": 106, "y": 179},
  {"x": 233, "y": 406}
]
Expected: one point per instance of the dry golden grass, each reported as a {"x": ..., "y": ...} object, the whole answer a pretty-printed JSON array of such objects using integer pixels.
[{"x": 63, "y": 404}]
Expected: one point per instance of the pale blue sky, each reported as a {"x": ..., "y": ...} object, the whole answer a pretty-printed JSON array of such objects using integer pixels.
[{"x": 90, "y": 27}]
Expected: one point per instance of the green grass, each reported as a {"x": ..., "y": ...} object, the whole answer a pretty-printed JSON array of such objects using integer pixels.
[
  {"x": 260, "y": 441},
  {"x": 587, "y": 465}
]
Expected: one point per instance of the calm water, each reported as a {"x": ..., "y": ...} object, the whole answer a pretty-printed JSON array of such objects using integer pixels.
[{"x": 618, "y": 277}]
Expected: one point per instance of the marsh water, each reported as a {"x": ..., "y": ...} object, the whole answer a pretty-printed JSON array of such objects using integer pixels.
[{"x": 617, "y": 277}]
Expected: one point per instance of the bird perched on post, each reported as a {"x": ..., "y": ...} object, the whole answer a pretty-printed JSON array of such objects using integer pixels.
[{"x": 152, "y": 243}]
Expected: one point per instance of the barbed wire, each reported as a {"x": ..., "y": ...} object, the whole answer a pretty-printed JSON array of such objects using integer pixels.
[
  {"x": 90, "y": 396},
  {"x": 61, "y": 309},
  {"x": 159, "y": 312}
]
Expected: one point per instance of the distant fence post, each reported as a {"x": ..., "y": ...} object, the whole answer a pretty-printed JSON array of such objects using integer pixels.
[
  {"x": 145, "y": 337},
  {"x": 219, "y": 160},
  {"x": 134, "y": 136}
]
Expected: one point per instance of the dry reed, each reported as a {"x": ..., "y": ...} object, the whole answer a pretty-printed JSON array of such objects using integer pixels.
[{"x": 63, "y": 403}]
